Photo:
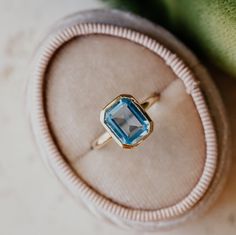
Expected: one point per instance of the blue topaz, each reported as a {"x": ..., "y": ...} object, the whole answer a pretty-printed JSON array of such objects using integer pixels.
[{"x": 127, "y": 121}]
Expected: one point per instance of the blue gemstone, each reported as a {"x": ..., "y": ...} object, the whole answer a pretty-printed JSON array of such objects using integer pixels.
[{"x": 127, "y": 121}]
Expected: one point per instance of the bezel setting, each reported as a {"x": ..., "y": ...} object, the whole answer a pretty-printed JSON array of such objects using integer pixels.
[{"x": 133, "y": 125}]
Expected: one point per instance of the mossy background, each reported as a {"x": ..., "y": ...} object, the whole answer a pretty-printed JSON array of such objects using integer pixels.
[{"x": 206, "y": 26}]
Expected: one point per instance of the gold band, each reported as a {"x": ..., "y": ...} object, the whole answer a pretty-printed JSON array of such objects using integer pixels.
[{"x": 106, "y": 137}]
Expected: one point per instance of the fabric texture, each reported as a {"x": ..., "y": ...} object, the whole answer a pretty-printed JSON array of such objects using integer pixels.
[{"x": 87, "y": 74}]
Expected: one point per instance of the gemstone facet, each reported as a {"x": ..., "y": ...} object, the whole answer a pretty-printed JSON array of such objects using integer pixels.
[{"x": 126, "y": 121}]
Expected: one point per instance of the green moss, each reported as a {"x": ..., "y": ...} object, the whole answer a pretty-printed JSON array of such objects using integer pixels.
[
  {"x": 211, "y": 26},
  {"x": 207, "y": 26}
]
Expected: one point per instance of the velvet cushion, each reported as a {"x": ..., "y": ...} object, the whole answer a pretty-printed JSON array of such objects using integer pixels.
[{"x": 84, "y": 76}]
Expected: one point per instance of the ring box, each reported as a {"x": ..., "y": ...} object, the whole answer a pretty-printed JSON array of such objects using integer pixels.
[{"x": 86, "y": 61}]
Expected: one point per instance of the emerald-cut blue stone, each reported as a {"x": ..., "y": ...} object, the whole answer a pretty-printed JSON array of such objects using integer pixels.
[{"x": 127, "y": 121}]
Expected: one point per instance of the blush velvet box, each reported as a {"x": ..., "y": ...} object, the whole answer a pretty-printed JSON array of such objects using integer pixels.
[{"x": 175, "y": 175}]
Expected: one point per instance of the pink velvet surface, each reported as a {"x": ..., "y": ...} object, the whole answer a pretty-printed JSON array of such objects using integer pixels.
[{"x": 82, "y": 78}]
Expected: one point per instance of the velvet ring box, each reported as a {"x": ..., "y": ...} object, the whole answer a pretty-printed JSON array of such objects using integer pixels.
[{"x": 86, "y": 61}]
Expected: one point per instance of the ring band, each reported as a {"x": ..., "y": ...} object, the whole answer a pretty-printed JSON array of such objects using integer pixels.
[{"x": 140, "y": 124}]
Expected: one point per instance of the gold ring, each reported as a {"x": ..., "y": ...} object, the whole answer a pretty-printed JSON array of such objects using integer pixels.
[{"x": 126, "y": 121}]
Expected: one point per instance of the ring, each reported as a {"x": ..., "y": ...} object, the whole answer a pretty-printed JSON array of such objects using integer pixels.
[{"x": 126, "y": 121}]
